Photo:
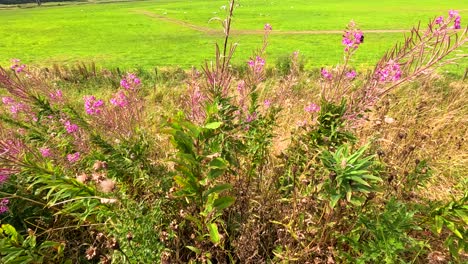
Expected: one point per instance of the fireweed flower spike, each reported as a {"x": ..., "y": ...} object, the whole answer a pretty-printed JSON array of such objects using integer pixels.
[
  {"x": 45, "y": 152},
  {"x": 351, "y": 75},
  {"x": 312, "y": 108},
  {"x": 457, "y": 24},
  {"x": 130, "y": 82},
  {"x": 391, "y": 72},
  {"x": 92, "y": 105},
  {"x": 4, "y": 205},
  {"x": 352, "y": 37},
  {"x": 326, "y": 74},
  {"x": 119, "y": 99},
  {"x": 71, "y": 128},
  {"x": 72, "y": 158}
]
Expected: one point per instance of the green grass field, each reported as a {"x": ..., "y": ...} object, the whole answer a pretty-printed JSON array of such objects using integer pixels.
[{"x": 152, "y": 33}]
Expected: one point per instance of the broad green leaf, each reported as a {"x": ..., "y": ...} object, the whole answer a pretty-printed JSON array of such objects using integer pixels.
[
  {"x": 215, "y": 173},
  {"x": 219, "y": 188},
  {"x": 214, "y": 233},
  {"x": 213, "y": 125},
  {"x": 223, "y": 202}
]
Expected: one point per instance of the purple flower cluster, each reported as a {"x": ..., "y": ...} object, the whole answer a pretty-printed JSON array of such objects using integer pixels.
[
  {"x": 351, "y": 74},
  {"x": 453, "y": 15},
  {"x": 312, "y": 108},
  {"x": 45, "y": 152},
  {"x": 70, "y": 127},
  {"x": 326, "y": 74},
  {"x": 92, "y": 105},
  {"x": 3, "y": 176},
  {"x": 4, "y": 205},
  {"x": 251, "y": 117},
  {"x": 256, "y": 65},
  {"x": 390, "y": 73},
  {"x": 74, "y": 157},
  {"x": 130, "y": 82},
  {"x": 15, "y": 107},
  {"x": 352, "y": 37},
  {"x": 119, "y": 99},
  {"x": 267, "y": 27},
  {"x": 56, "y": 96},
  {"x": 16, "y": 66}
]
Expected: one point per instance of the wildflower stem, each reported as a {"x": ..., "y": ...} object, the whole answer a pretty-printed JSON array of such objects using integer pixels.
[
  {"x": 227, "y": 29},
  {"x": 14, "y": 195}
]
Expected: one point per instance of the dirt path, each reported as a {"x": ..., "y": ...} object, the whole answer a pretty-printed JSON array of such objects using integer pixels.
[{"x": 211, "y": 31}]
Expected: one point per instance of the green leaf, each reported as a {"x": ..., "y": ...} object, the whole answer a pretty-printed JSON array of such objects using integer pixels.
[
  {"x": 213, "y": 125},
  {"x": 223, "y": 202},
  {"x": 334, "y": 200},
  {"x": 219, "y": 163},
  {"x": 219, "y": 188},
  {"x": 194, "y": 249},
  {"x": 451, "y": 226},
  {"x": 215, "y": 173},
  {"x": 439, "y": 222},
  {"x": 214, "y": 233},
  {"x": 359, "y": 180}
]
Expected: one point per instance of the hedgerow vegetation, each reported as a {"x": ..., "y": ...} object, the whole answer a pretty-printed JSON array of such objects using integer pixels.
[{"x": 240, "y": 164}]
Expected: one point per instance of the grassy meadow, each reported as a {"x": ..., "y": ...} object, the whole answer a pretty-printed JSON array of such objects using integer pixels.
[
  {"x": 151, "y": 33},
  {"x": 113, "y": 149}
]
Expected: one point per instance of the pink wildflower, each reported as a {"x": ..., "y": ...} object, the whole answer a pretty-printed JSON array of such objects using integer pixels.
[
  {"x": 120, "y": 99},
  {"x": 352, "y": 37},
  {"x": 257, "y": 65},
  {"x": 7, "y": 100},
  {"x": 125, "y": 84},
  {"x": 391, "y": 72},
  {"x": 72, "y": 158},
  {"x": 439, "y": 20},
  {"x": 326, "y": 74},
  {"x": 251, "y": 117},
  {"x": 457, "y": 24},
  {"x": 267, "y": 103},
  {"x": 3, "y": 177},
  {"x": 130, "y": 82},
  {"x": 45, "y": 152},
  {"x": 15, "y": 108},
  {"x": 312, "y": 108},
  {"x": 20, "y": 68},
  {"x": 267, "y": 27},
  {"x": 351, "y": 75},
  {"x": 71, "y": 128},
  {"x": 57, "y": 95},
  {"x": 93, "y": 106},
  {"x": 240, "y": 86},
  {"x": 453, "y": 13},
  {"x": 4, "y": 205}
]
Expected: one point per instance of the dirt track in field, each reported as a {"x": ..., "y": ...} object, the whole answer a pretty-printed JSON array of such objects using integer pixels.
[{"x": 211, "y": 31}]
